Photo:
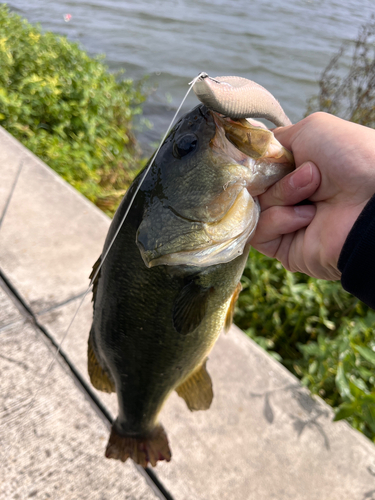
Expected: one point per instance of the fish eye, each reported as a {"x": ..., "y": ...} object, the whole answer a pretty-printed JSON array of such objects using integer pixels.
[{"x": 184, "y": 145}]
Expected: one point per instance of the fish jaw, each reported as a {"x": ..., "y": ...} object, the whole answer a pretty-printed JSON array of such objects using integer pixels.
[
  {"x": 256, "y": 147},
  {"x": 226, "y": 239}
]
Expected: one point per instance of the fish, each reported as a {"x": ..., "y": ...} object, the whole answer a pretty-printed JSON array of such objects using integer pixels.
[{"x": 171, "y": 279}]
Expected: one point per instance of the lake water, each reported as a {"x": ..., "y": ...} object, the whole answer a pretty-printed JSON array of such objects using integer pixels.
[{"x": 284, "y": 46}]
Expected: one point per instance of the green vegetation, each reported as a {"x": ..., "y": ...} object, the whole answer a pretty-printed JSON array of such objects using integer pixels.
[
  {"x": 319, "y": 332},
  {"x": 68, "y": 109}
]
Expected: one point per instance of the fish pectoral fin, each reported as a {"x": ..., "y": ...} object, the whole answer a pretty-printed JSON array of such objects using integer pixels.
[
  {"x": 99, "y": 378},
  {"x": 190, "y": 307},
  {"x": 197, "y": 389},
  {"x": 232, "y": 305}
]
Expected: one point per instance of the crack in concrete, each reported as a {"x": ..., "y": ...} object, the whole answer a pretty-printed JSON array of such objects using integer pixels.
[{"x": 60, "y": 304}]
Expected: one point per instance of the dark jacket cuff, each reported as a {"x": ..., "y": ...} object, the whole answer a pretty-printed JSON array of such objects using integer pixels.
[{"x": 357, "y": 257}]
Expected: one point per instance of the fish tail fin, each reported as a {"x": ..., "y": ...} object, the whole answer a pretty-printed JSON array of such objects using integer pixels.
[{"x": 142, "y": 450}]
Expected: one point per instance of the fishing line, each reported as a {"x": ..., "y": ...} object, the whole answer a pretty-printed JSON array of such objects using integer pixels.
[
  {"x": 11, "y": 193},
  {"x": 52, "y": 362},
  {"x": 55, "y": 356},
  {"x": 2, "y": 218}
]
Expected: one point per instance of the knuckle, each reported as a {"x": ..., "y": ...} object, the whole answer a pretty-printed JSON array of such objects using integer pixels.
[
  {"x": 272, "y": 216},
  {"x": 318, "y": 119}
]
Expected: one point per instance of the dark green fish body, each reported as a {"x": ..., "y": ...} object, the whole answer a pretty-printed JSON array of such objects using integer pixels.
[{"x": 170, "y": 281}]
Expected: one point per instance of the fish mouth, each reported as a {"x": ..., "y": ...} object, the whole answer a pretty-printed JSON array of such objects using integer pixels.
[{"x": 248, "y": 142}]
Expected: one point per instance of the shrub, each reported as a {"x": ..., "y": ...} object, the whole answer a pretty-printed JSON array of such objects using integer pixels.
[{"x": 68, "y": 109}]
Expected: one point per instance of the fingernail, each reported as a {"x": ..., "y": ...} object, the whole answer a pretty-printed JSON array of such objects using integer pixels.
[
  {"x": 305, "y": 211},
  {"x": 302, "y": 176}
]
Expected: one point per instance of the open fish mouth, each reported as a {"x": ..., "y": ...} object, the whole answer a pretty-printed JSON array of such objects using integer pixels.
[
  {"x": 252, "y": 160},
  {"x": 248, "y": 142}
]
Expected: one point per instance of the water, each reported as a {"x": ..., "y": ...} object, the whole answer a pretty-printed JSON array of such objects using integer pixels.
[{"x": 284, "y": 46}]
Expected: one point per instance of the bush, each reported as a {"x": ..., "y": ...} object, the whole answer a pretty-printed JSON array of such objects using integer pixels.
[
  {"x": 322, "y": 334},
  {"x": 68, "y": 109}
]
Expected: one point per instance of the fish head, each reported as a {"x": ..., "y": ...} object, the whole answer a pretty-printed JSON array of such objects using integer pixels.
[{"x": 200, "y": 208}]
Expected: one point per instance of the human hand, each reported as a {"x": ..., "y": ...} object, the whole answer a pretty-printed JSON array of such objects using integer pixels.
[{"x": 335, "y": 169}]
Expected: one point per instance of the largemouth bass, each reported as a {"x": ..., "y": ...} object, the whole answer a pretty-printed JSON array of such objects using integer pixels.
[{"x": 172, "y": 276}]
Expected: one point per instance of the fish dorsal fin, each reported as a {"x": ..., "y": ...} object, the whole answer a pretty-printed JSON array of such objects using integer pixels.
[
  {"x": 232, "y": 305},
  {"x": 96, "y": 281},
  {"x": 197, "y": 389},
  {"x": 98, "y": 376},
  {"x": 190, "y": 307}
]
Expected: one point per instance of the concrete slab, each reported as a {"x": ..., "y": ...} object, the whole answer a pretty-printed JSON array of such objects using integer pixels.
[
  {"x": 51, "y": 235},
  {"x": 55, "y": 448},
  {"x": 263, "y": 438}
]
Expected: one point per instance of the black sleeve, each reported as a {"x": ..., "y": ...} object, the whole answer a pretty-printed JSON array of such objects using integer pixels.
[{"x": 357, "y": 258}]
